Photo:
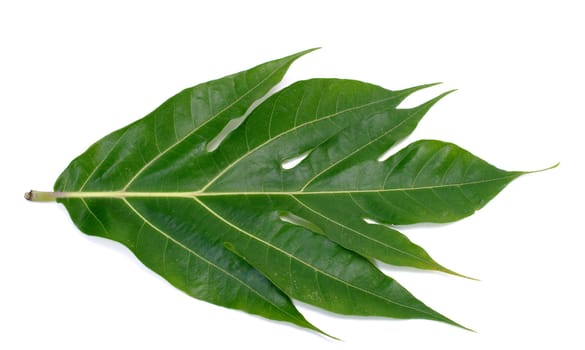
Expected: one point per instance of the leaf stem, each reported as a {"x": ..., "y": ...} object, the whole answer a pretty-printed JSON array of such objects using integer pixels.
[{"x": 40, "y": 196}]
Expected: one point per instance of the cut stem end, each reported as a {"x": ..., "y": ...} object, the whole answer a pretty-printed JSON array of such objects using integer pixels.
[{"x": 40, "y": 196}]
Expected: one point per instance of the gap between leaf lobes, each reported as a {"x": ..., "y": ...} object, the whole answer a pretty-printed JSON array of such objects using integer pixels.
[{"x": 288, "y": 196}]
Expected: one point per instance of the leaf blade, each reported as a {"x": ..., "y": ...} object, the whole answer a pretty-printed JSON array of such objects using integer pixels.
[{"x": 210, "y": 219}]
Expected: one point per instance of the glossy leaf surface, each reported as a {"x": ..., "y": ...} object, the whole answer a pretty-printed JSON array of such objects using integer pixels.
[{"x": 231, "y": 225}]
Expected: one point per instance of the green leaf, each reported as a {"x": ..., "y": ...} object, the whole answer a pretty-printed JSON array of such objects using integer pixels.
[{"x": 235, "y": 226}]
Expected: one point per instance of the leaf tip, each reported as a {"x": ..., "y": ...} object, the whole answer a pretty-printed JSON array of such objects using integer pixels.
[
  {"x": 431, "y": 85},
  {"x": 447, "y": 93},
  {"x": 549, "y": 168},
  {"x": 451, "y": 272},
  {"x": 327, "y": 335},
  {"x": 427, "y": 105},
  {"x": 453, "y": 323},
  {"x": 304, "y": 52},
  {"x": 540, "y": 170},
  {"x": 409, "y": 91}
]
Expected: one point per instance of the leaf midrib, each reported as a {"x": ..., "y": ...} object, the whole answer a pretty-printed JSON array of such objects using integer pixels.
[{"x": 197, "y": 194}]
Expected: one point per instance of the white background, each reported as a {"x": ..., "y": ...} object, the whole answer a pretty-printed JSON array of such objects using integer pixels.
[{"x": 71, "y": 72}]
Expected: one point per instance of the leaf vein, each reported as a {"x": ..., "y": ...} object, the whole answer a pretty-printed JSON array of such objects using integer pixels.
[
  {"x": 312, "y": 179},
  {"x": 95, "y": 216},
  {"x": 289, "y": 131},
  {"x": 359, "y": 233},
  {"x": 202, "y": 258},
  {"x": 422, "y": 168},
  {"x": 102, "y": 161},
  {"x": 175, "y": 121},
  {"x": 182, "y": 139},
  {"x": 312, "y": 267}
]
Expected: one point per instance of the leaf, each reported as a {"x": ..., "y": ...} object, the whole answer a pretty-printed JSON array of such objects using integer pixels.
[{"x": 235, "y": 227}]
